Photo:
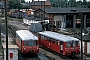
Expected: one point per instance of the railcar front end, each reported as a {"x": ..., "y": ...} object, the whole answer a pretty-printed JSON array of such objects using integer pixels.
[
  {"x": 30, "y": 47},
  {"x": 27, "y": 42},
  {"x": 71, "y": 48}
]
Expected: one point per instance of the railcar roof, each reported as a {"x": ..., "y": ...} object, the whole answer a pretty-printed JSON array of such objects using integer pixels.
[
  {"x": 58, "y": 36},
  {"x": 26, "y": 35}
]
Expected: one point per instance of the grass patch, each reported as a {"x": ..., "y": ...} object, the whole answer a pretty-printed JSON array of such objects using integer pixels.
[
  {"x": 8, "y": 18},
  {"x": 1, "y": 15},
  {"x": 2, "y": 41},
  {"x": 13, "y": 42}
]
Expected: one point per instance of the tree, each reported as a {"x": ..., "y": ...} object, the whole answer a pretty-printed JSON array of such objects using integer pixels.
[
  {"x": 88, "y": 4},
  {"x": 14, "y": 4},
  {"x": 72, "y": 3},
  {"x": 84, "y": 4},
  {"x": 22, "y": 1},
  {"x": 79, "y": 4}
]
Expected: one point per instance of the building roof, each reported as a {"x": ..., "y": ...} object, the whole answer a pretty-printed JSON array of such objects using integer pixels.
[
  {"x": 2, "y": 3},
  {"x": 10, "y": 46},
  {"x": 66, "y": 10},
  {"x": 40, "y": 3},
  {"x": 58, "y": 36},
  {"x": 35, "y": 18},
  {"x": 84, "y": 38}
]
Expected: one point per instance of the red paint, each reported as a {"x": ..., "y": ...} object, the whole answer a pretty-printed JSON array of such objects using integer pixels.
[{"x": 11, "y": 55}]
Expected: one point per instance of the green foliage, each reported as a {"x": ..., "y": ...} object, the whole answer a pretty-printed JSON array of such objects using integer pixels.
[
  {"x": 9, "y": 18},
  {"x": 88, "y": 4},
  {"x": 2, "y": 41},
  {"x": 13, "y": 42},
  {"x": 70, "y": 3},
  {"x": 23, "y": 1},
  {"x": 14, "y": 4}
]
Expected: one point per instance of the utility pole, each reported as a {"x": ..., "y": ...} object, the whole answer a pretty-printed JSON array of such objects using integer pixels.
[
  {"x": 6, "y": 30},
  {"x": 81, "y": 31},
  {"x": 80, "y": 4},
  {"x": 0, "y": 33}
]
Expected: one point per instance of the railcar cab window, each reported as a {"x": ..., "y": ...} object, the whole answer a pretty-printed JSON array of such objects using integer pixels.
[
  {"x": 72, "y": 44},
  {"x": 68, "y": 44},
  {"x": 75, "y": 43},
  {"x": 30, "y": 43}
]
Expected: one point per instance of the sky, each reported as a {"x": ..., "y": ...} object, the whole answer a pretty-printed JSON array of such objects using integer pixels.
[{"x": 45, "y": 0}]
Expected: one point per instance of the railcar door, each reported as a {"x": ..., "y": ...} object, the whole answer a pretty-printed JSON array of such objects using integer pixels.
[
  {"x": 61, "y": 47},
  {"x": 39, "y": 39}
]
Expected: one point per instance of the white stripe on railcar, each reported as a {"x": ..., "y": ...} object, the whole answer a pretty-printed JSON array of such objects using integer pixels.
[
  {"x": 26, "y": 35},
  {"x": 58, "y": 36}
]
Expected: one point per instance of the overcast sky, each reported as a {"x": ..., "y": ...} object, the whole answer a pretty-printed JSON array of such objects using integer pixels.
[{"x": 44, "y": 0}]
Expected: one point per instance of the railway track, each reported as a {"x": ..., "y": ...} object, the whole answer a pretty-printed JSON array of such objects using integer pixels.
[
  {"x": 20, "y": 55},
  {"x": 50, "y": 54},
  {"x": 56, "y": 56},
  {"x": 27, "y": 57}
]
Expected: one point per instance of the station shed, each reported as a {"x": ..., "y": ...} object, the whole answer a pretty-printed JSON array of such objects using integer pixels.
[
  {"x": 86, "y": 43},
  {"x": 12, "y": 52}
]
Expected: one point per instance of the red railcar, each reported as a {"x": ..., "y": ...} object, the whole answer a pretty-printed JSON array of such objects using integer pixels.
[
  {"x": 63, "y": 44},
  {"x": 27, "y": 42}
]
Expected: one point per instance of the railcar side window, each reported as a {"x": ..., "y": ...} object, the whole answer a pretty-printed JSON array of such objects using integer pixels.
[
  {"x": 53, "y": 41},
  {"x": 18, "y": 38},
  {"x": 36, "y": 42},
  {"x": 45, "y": 38},
  {"x": 56, "y": 42},
  {"x": 68, "y": 44},
  {"x": 42, "y": 37},
  {"x": 77, "y": 43},
  {"x": 74, "y": 43},
  {"x": 49, "y": 40}
]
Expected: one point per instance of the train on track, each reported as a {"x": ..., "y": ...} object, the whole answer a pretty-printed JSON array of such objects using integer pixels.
[
  {"x": 27, "y": 42},
  {"x": 62, "y": 44}
]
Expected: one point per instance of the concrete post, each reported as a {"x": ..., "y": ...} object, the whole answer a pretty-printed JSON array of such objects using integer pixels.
[
  {"x": 74, "y": 21},
  {"x": 84, "y": 21}
]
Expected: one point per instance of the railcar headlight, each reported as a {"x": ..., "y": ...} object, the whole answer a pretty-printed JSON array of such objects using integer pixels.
[
  {"x": 67, "y": 50},
  {"x": 24, "y": 48},
  {"x": 49, "y": 43},
  {"x": 75, "y": 48},
  {"x": 72, "y": 48},
  {"x": 37, "y": 48}
]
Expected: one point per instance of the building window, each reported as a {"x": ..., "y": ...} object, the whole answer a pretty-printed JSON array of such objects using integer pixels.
[{"x": 88, "y": 20}]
